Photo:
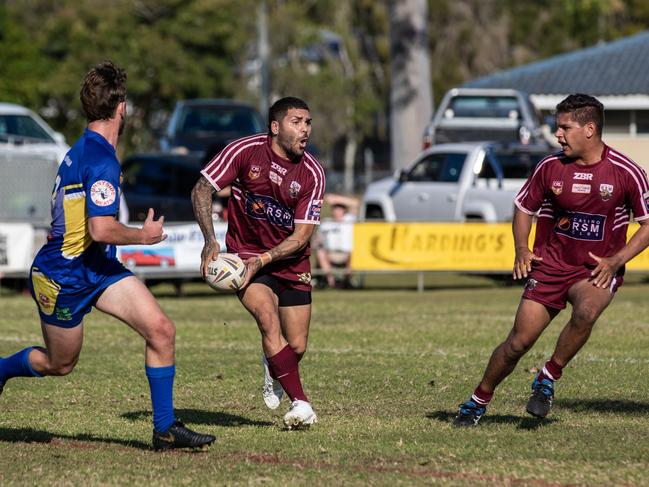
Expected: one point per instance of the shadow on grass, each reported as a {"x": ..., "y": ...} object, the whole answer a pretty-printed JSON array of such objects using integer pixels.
[
  {"x": 604, "y": 406},
  {"x": 29, "y": 435},
  {"x": 196, "y": 416},
  {"x": 524, "y": 422}
]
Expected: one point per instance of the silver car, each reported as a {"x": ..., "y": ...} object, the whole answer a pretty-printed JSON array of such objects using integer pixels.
[
  {"x": 454, "y": 182},
  {"x": 24, "y": 133}
]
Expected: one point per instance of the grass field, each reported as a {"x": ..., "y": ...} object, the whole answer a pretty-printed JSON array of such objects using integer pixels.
[{"x": 385, "y": 371}]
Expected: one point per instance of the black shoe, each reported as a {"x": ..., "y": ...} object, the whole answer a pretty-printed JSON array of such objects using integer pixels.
[
  {"x": 178, "y": 436},
  {"x": 541, "y": 399},
  {"x": 469, "y": 414}
]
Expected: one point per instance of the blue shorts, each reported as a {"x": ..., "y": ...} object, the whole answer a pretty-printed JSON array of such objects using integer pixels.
[{"x": 65, "y": 305}]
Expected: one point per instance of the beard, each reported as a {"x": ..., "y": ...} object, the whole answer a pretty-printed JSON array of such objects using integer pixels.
[{"x": 288, "y": 145}]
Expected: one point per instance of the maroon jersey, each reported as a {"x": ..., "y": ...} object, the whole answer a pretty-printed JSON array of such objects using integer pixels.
[
  {"x": 270, "y": 195},
  {"x": 588, "y": 207}
]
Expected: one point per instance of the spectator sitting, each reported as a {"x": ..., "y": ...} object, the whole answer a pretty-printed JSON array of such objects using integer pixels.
[{"x": 335, "y": 238}]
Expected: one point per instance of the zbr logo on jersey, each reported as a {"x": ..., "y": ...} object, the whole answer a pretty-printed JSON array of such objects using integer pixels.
[
  {"x": 581, "y": 226},
  {"x": 557, "y": 187},
  {"x": 102, "y": 193},
  {"x": 261, "y": 207},
  {"x": 254, "y": 172}
]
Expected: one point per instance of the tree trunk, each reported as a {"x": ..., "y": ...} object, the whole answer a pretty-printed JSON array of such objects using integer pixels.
[
  {"x": 350, "y": 156},
  {"x": 410, "y": 83}
]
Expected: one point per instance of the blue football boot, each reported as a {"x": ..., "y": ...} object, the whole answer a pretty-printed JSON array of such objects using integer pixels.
[
  {"x": 540, "y": 400},
  {"x": 469, "y": 414}
]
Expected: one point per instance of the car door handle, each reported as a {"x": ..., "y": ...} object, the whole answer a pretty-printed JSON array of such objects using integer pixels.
[
  {"x": 452, "y": 198},
  {"x": 423, "y": 197}
]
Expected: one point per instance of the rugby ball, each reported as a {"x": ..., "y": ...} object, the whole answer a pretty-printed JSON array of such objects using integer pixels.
[{"x": 227, "y": 273}]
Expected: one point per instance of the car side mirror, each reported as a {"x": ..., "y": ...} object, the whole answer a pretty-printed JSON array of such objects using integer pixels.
[{"x": 403, "y": 176}]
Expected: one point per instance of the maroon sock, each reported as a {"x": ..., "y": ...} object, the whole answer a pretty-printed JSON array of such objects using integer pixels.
[
  {"x": 284, "y": 368},
  {"x": 551, "y": 370},
  {"x": 271, "y": 372},
  {"x": 481, "y": 397}
]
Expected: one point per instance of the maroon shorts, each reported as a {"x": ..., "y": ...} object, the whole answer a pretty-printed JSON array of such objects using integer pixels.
[{"x": 551, "y": 288}]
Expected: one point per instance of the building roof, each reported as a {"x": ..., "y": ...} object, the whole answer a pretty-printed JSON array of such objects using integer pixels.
[{"x": 618, "y": 68}]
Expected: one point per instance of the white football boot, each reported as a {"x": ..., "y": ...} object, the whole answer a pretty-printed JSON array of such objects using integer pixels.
[
  {"x": 300, "y": 415},
  {"x": 272, "y": 390}
]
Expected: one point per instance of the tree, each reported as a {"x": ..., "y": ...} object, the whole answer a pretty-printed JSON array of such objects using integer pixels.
[
  {"x": 410, "y": 96},
  {"x": 171, "y": 49}
]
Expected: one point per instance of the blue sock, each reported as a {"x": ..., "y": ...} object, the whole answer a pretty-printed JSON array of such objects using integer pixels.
[
  {"x": 17, "y": 365},
  {"x": 161, "y": 382}
]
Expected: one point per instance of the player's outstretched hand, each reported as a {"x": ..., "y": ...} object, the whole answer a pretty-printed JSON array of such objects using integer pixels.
[
  {"x": 253, "y": 264},
  {"x": 605, "y": 271},
  {"x": 152, "y": 231},
  {"x": 523, "y": 262},
  {"x": 209, "y": 253}
]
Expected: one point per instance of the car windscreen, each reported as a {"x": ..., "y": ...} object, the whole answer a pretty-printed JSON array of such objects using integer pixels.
[
  {"x": 23, "y": 128},
  {"x": 440, "y": 167},
  {"x": 514, "y": 165},
  {"x": 483, "y": 107},
  {"x": 194, "y": 119}
]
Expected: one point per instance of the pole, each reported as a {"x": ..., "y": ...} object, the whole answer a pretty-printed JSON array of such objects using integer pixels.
[{"x": 263, "y": 49}]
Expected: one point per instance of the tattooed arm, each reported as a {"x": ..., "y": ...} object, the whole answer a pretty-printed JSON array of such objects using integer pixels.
[
  {"x": 202, "y": 203},
  {"x": 287, "y": 248}
]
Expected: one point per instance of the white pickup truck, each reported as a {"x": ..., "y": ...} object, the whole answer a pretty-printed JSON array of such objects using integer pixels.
[
  {"x": 475, "y": 114},
  {"x": 474, "y": 181}
]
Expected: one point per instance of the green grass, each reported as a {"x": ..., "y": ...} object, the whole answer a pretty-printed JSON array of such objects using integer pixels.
[{"x": 385, "y": 371}]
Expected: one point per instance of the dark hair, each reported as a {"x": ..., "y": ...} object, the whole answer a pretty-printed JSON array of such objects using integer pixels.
[
  {"x": 103, "y": 88},
  {"x": 279, "y": 109},
  {"x": 584, "y": 109}
]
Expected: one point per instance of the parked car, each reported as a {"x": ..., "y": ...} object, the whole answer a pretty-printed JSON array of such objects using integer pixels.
[
  {"x": 454, "y": 182},
  {"x": 205, "y": 126},
  {"x": 477, "y": 114},
  {"x": 23, "y": 132},
  {"x": 30, "y": 152},
  {"x": 155, "y": 257},
  {"x": 160, "y": 181}
]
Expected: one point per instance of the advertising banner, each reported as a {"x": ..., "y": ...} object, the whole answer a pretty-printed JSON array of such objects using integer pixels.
[
  {"x": 445, "y": 247},
  {"x": 433, "y": 246},
  {"x": 641, "y": 261},
  {"x": 179, "y": 254}
]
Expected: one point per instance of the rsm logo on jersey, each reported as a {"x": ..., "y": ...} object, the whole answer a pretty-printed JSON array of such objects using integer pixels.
[
  {"x": 263, "y": 207},
  {"x": 581, "y": 226}
]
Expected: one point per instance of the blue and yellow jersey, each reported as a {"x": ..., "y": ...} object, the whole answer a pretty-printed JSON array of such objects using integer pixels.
[{"x": 87, "y": 185}]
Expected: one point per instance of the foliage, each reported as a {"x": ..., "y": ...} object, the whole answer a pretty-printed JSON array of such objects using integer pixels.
[
  {"x": 171, "y": 49},
  {"x": 175, "y": 49},
  {"x": 385, "y": 370}
]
